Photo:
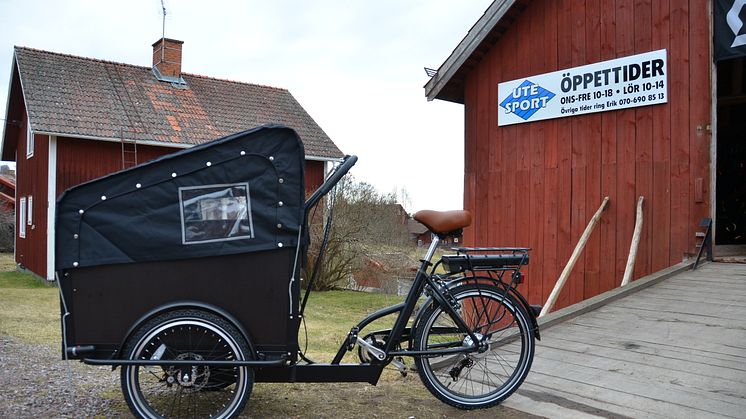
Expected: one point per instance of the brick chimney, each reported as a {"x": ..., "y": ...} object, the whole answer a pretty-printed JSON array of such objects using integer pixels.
[{"x": 167, "y": 57}]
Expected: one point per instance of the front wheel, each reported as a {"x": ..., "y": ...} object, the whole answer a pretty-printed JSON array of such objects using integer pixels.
[
  {"x": 478, "y": 379},
  {"x": 187, "y": 391}
]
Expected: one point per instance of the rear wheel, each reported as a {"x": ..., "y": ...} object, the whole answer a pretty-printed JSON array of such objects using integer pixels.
[
  {"x": 187, "y": 391},
  {"x": 478, "y": 379}
]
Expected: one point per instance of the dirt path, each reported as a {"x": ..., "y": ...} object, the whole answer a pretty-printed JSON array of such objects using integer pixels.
[{"x": 34, "y": 382}]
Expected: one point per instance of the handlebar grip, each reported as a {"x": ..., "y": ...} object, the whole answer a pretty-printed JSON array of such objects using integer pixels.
[{"x": 331, "y": 181}]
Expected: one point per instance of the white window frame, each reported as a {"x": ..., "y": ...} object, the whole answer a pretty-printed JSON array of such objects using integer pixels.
[
  {"x": 29, "y": 141},
  {"x": 51, "y": 209},
  {"x": 30, "y": 212},
  {"x": 22, "y": 218}
]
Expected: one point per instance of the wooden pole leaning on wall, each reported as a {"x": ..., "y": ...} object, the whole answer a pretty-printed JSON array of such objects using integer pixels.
[
  {"x": 573, "y": 258},
  {"x": 629, "y": 269}
]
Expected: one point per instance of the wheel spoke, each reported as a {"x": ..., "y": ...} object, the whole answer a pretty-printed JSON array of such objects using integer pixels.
[
  {"x": 478, "y": 379},
  {"x": 188, "y": 391}
]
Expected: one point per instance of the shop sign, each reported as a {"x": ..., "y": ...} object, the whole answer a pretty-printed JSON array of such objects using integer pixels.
[{"x": 637, "y": 80}]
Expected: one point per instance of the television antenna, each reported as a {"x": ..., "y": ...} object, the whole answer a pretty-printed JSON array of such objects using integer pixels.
[
  {"x": 163, "y": 33},
  {"x": 163, "y": 8}
]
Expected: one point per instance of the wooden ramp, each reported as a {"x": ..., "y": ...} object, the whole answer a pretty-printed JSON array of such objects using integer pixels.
[{"x": 674, "y": 350}]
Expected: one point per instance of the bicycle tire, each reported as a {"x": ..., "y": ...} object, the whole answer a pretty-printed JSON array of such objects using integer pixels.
[
  {"x": 163, "y": 392},
  {"x": 480, "y": 379}
]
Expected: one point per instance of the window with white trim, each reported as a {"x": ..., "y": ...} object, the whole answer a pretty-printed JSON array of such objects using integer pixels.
[
  {"x": 22, "y": 218},
  {"x": 30, "y": 218},
  {"x": 29, "y": 141}
]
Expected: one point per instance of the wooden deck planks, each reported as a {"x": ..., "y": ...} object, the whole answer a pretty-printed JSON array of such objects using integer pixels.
[
  {"x": 659, "y": 352},
  {"x": 676, "y": 349}
]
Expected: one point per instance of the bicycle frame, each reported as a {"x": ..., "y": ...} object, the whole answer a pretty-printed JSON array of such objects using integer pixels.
[
  {"x": 335, "y": 371},
  {"x": 421, "y": 281}
]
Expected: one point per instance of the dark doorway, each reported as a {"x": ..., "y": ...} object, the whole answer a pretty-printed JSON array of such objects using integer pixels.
[{"x": 730, "y": 181}]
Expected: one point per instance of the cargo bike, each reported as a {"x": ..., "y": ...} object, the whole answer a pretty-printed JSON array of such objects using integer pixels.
[{"x": 184, "y": 272}]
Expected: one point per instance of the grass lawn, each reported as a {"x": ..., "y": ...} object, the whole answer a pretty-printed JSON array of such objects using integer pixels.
[
  {"x": 30, "y": 312},
  {"x": 29, "y": 306},
  {"x": 331, "y": 314}
]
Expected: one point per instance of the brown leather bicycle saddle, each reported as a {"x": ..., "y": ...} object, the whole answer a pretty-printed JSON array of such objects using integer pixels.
[{"x": 444, "y": 222}]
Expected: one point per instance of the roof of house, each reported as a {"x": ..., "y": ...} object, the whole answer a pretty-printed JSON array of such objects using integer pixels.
[
  {"x": 84, "y": 97},
  {"x": 415, "y": 227},
  {"x": 7, "y": 184},
  {"x": 8, "y": 180},
  {"x": 448, "y": 82}
]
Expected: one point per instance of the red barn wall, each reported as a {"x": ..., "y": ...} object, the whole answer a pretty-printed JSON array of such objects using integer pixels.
[
  {"x": 31, "y": 180},
  {"x": 102, "y": 158},
  {"x": 538, "y": 184},
  {"x": 314, "y": 173},
  {"x": 79, "y": 160}
]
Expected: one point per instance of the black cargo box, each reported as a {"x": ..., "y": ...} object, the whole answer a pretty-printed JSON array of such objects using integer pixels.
[{"x": 218, "y": 226}]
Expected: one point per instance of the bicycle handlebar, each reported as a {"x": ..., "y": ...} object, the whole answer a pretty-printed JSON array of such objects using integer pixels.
[{"x": 331, "y": 181}]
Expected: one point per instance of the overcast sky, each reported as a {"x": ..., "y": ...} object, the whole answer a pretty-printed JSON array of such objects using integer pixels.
[{"x": 355, "y": 66}]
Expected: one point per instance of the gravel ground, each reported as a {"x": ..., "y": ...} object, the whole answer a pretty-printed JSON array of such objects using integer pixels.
[{"x": 36, "y": 383}]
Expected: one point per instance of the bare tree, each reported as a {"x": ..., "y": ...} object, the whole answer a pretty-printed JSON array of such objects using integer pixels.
[{"x": 362, "y": 218}]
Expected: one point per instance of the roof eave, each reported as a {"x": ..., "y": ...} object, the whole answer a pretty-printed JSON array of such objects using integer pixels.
[
  {"x": 440, "y": 86},
  {"x": 154, "y": 143},
  {"x": 116, "y": 140},
  {"x": 330, "y": 159}
]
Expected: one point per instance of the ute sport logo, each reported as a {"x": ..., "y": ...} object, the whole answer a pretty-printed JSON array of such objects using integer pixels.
[{"x": 526, "y": 99}]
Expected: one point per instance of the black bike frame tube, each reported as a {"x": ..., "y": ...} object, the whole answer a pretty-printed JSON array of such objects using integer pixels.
[
  {"x": 418, "y": 285},
  {"x": 175, "y": 362},
  {"x": 510, "y": 292},
  {"x": 414, "y": 294},
  {"x": 460, "y": 350},
  {"x": 406, "y": 309},
  {"x": 380, "y": 313},
  {"x": 371, "y": 318},
  {"x": 440, "y": 299},
  {"x": 411, "y": 301}
]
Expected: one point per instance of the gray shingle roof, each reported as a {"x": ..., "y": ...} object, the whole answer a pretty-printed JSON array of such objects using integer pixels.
[{"x": 86, "y": 97}]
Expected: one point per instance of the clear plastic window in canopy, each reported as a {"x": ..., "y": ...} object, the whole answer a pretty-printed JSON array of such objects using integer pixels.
[{"x": 215, "y": 213}]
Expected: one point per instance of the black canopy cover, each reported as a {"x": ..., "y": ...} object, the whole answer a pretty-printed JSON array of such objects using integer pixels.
[{"x": 241, "y": 193}]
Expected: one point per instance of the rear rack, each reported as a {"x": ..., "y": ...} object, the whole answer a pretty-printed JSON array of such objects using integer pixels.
[{"x": 488, "y": 259}]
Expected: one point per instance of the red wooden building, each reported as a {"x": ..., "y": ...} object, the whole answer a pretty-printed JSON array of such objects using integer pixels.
[
  {"x": 72, "y": 119},
  {"x": 538, "y": 183}
]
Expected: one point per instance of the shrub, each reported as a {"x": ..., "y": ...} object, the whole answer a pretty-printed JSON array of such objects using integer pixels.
[{"x": 7, "y": 230}]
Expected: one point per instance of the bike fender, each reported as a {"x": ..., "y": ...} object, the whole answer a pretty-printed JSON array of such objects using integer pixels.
[
  {"x": 527, "y": 308},
  {"x": 177, "y": 305}
]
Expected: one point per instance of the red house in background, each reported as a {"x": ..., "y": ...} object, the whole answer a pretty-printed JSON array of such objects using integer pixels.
[
  {"x": 72, "y": 119},
  {"x": 7, "y": 190}
]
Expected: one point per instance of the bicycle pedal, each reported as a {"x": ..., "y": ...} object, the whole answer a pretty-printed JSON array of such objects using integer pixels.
[
  {"x": 536, "y": 309},
  {"x": 398, "y": 362}
]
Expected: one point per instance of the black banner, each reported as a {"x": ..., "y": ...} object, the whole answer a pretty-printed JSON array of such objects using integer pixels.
[{"x": 730, "y": 29}]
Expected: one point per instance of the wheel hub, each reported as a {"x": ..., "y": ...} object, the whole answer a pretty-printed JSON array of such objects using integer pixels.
[
  {"x": 192, "y": 378},
  {"x": 483, "y": 344},
  {"x": 469, "y": 342}
]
